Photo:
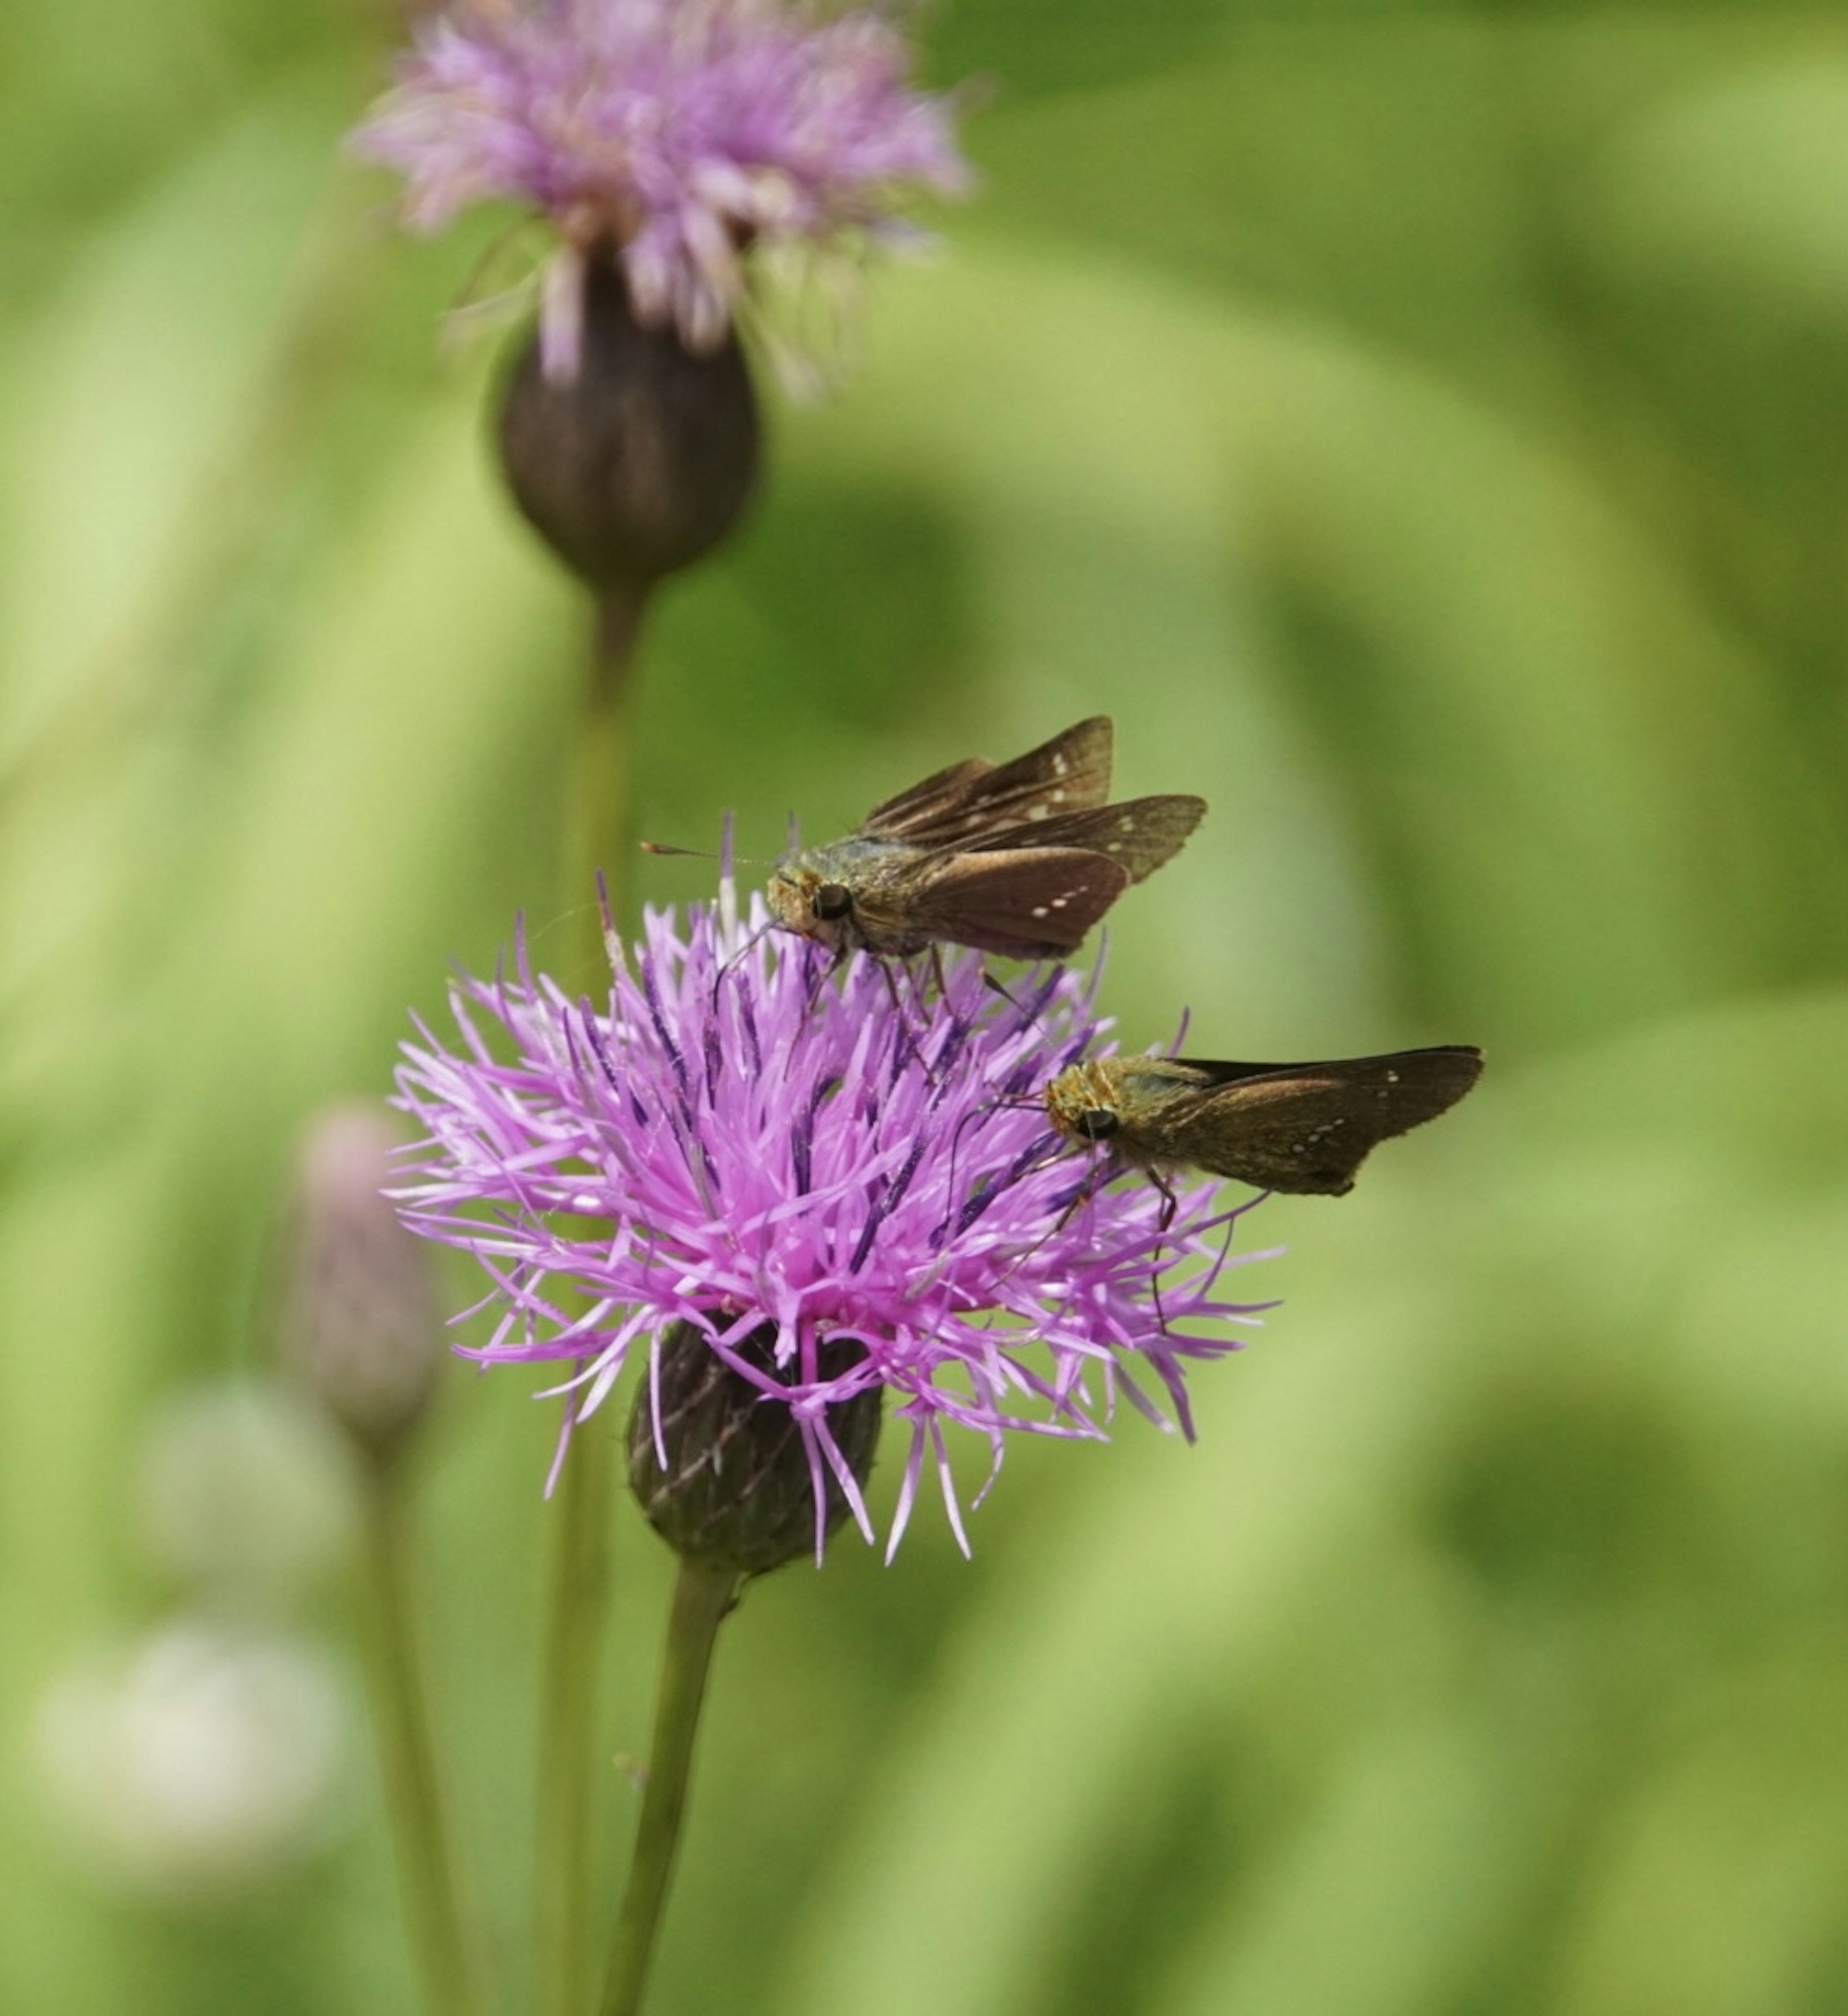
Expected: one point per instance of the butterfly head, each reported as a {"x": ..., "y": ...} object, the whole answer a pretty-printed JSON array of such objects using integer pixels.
[
  {"x": 803, "y": 901},
  {"x": 1082, "y": 1103}
]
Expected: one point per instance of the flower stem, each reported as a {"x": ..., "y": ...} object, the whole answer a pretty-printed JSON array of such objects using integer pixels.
[
  {"x": 702, "y": 1597},
  {"x": 601, "y": 835},
  {"x": 407, "y": 1756},
  {"x": 572, "y": 1770}
]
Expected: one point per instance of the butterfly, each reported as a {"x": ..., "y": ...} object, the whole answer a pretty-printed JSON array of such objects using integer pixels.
[
  {"x": 1304, "y": 1128},
  {"x": 1021, "y": 859}
]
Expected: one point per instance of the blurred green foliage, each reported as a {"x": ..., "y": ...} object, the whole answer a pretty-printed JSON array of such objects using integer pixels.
[{"x": 1423, "y": 428}]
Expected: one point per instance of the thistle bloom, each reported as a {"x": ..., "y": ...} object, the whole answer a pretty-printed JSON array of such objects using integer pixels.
[
  {"x": 684, "y": 132},
  {"x": 831, "y": 1197}
]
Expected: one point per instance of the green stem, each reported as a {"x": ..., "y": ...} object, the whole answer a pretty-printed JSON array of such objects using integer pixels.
[
  {"x": 702, "y": 1597},
  {"x": 570, "y": 1768},
  {"x": 601, "y": 811},
  {"x": 573, "y": 1770},
  {"x": 407, "y": 1755}
]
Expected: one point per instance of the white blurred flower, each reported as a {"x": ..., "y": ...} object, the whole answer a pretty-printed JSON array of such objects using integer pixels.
[
  {"x": 241, "y": 1493},
  {"x": 201, "y": 1763}
]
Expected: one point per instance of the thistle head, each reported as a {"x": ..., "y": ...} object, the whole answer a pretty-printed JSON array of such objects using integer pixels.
[
  {"x": 697, "y": 144},
  {"x": 793, "y": 1205}
]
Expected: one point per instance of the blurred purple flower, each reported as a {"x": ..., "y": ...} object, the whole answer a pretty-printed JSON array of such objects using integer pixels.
[
  {"x": 738, "y": 1139},
  {"x": 686, "y": 133}
]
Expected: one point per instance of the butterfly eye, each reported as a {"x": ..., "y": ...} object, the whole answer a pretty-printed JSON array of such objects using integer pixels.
[
  {"x": 831, "y": 901},
  {"x": 1097, "y": 1123}
]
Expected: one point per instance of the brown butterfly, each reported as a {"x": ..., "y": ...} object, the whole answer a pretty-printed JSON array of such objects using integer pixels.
[
  {"x": 1304, "y": 1128},
  {"x": 1021, "y": 860}
]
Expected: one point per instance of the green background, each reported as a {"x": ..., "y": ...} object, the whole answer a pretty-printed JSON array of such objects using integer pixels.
[{"x": 1425, "y": 429}]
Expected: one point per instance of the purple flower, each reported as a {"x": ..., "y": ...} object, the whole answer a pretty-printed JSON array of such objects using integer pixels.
[
  {"x": 687, "y": 133},
  {"x": 742, "y": 1146}
]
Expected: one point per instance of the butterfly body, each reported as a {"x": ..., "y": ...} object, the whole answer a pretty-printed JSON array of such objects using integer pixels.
[
  {"x": 862, "y": 894},
  {"x": 1021, "y": 859},
  {"x": 1304, "y": 1128}
]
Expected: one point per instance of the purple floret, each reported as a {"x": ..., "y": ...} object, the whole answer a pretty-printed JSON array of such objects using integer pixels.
[
  {"x": 736, "y": 1137},
  {"x": 689, "y": 134}
]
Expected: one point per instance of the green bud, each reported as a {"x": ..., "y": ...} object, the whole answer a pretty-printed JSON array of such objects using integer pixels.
[
  {"x": 361, "y": 1329},
  {"x": 642, "y": 461},
  {"x": 737, "y": 1492}
]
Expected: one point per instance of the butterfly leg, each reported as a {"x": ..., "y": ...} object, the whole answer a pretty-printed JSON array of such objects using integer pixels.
[
  {"x": 842, "y": 955},
  {"x": 907, "y": 1036},
  {"x": 995, "y": 987},
  {"x": 732, "y": 964},
  {"x": 1095, "y": 1178},
  {"x": 1170, "y": 1205}
]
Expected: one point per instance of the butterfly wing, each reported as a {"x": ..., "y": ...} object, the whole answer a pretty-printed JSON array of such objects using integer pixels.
[
  {"x": 1028, "y": 903},
  {"x": 954, "y": 807},
  {"x": 941, "y": 796},
  {"x": 1140, "y": 834},
  {"x": 1304, "y": 1128}
]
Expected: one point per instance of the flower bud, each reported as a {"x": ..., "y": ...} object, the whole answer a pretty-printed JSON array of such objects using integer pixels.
[
  {"x": 738, "y": 1490},
  {"x": 643, "y": 459},
  {"x": 361, "y": 1328}
]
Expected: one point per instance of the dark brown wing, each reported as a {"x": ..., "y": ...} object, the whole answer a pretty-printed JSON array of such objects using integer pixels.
[
  {"x": 1070, "y": 773},
  {"x": 941, "y": 795},
  {"x": 1305, "y": 1127},
  {"x": 1030, "y": 903},
  {"x": 1140, "y": 833}
]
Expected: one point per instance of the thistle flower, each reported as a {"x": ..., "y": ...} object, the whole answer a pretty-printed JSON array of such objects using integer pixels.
[
  {"x": 692, "y": 136},
  {"x": 742, "y": 1165}
]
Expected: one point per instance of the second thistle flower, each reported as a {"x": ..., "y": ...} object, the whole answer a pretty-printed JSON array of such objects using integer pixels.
[
  {"x": 677, "y": 148},
  {"x": 693, "y": 136}
]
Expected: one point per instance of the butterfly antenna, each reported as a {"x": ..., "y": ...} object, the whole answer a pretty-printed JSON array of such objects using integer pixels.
[{"x": 702, "y": 854}]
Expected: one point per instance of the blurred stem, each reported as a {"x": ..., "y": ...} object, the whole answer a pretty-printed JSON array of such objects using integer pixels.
[
  {"x": 572, "y": 1769},
  {"x": 702, "y": 1597},
  {"x": 407, "y": 1755}
]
